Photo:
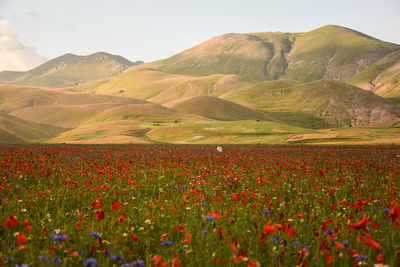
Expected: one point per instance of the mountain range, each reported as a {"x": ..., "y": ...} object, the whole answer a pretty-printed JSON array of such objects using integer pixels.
[{"x": 332, "y": 85}]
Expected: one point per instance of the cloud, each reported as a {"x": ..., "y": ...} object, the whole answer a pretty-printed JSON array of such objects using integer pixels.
[{"x": 14, "y": 55}]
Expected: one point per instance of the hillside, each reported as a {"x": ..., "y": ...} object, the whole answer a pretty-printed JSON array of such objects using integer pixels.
[
  {"x": 329, "y": 52},
  {"x": 318, "y": 104},
  {"x": 162, "y": 87},
  {"x": 382, "y": 77},
  {"x": 70, "y": 69},
  {"x": 219, "y": 109},
  {"x": 15, "y": 130}
]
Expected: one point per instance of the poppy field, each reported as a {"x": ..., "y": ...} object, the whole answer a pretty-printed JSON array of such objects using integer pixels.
[{"x": 161, "y": 205}]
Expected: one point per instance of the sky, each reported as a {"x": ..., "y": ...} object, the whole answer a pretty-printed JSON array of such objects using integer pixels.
[{"x": 33, "y": 31}]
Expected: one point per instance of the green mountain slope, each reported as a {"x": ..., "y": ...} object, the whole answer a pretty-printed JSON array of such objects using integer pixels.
[
  {"x": 382, "y": 77},
  {"x": 318, "y": 104},
  {"x": 219, "y": 109},
  {"x": 71, "y": 69},
  {"x": 330, "y": 52}
]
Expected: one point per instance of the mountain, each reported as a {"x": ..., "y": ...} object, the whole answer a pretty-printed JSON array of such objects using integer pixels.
[
  {"x": 329, "y": 52},
  {"x": 317, "y": 104},
  {"x": 70, "y": 69},
  {"x": 382, "y": 77}
]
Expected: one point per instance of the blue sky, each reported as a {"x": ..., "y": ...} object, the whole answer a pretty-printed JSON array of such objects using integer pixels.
[{"x": 154, "y": 29}]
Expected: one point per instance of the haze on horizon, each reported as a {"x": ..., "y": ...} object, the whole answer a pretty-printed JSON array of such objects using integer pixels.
[{"x": 32, "y": 32}]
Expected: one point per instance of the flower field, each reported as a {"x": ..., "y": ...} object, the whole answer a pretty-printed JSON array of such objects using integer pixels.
[{"x": 199, "y": 206}]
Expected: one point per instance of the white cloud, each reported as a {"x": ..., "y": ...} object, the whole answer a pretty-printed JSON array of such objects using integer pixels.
[{"x": 13, "y": 54}]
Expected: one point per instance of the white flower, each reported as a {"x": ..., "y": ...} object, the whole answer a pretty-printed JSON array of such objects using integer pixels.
[{"x": 219, "y": 149}]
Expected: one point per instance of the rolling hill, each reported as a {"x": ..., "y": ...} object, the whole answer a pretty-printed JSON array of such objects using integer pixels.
[
  {"x": 317, "y": 104},
  {"x": 219, "y": 109},
  {"x": 162, "y": 87},
  {"x": 382, "y": 77},
  {"x": 70, "y": 69},
  {"x": 329, "y": 52}
]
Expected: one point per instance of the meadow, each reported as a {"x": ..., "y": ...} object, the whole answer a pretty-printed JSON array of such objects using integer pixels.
[{"x": 165, "y": 205}]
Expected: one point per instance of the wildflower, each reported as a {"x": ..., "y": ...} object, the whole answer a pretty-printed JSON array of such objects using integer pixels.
[
  {"x": 134, "y": 237},
  {"x": 42, "y": 258},
  {"x": 78, "y": 224},
  {"x": 276, "y": 239},
  {"x": 295, "y": 244},
  {"x": 116, "y": 258},
  {"x": 95, "y": 235},
  {"x": 21, "y": 238},
  {"x": 166, "y": 243},
  {"x": 267, "y": 212},
  {"x": 163, "y": 236},
  {"x": 367, "y": 240},
  {"x": 360, "y": 225},
  {"x": 11, "y": 222},
  {"x": 157, "y": 260},
  {"x": 219, "y": 149},
  {"x": 59, "y": 238},
  {"x": 209, "y": 218},
  {"x": 100, "y": 214},
  {"x": 138, "y": 263},
  {"x": 204, "y": 232},
  {"x": 188, "y": 238},
  {"x": 91, "y": 262}
]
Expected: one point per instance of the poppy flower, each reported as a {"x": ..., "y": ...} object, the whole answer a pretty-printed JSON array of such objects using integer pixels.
[
  {"x": 99, "y": 214},
  {"x": 367, "y": 240},
  {"x": 11, "y": 222},
  {"x": 362, "y": 224},
  {"x": 21, "y": 238}
]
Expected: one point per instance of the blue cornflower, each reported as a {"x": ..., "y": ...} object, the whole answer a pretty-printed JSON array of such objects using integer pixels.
[
  {"x": 42, "y": 258},
  {"x": 203, "y": 204},
  {"x": 57, "y": 261},
  {"x": 209, "y": 218},
  {"x": 367, "y": 230},
  {"x": 166, "y": 243},
  {"x": 91, "y": 262},
  {"x": 345, "y": 243},
  {"x": 362, "y": 257},
  {"x": 184, "y": 187},
  {"x": 295, "y": 244},
  {"x": 22, "y": 265},
  {"x": 386, "y": 210},
  {"x": 276, "y": 239},
  {"x": 96, "y": 235},
  {"x": 138, "y": 263},
  {"x": 379, "y": 201},
  {"x": 59, "y": 238},
  {"x": 117, "y": 258},
  {"x": 266, "y": 212},
  {"x": 329, "y": 232},
  {"x": 204, "y": 232}
]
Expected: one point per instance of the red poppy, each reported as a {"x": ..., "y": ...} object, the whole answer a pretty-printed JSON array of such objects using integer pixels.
[
  {"x": 269, "y": 229},
  {"x": 134, "y": 237},
  {"x": 176, "y": 261},
  {"x": 163, "y": 236},
  {"x": 359, "y": 225},
  {"x": 11, "y": 222},
  {"x": 157, "y": 260},
  {"x": 367, "y": 240},
  {"x": 21, "y": 238},
  {"x": 188, "y": 238},
  {"x": 78, "y": 225},
  {"x": 99, "y": 214}
]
